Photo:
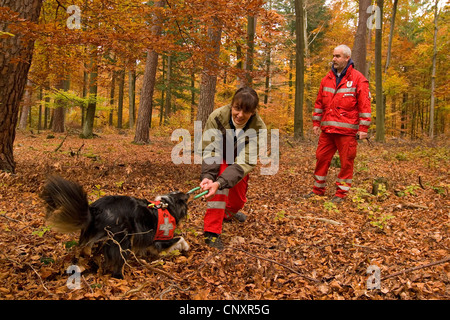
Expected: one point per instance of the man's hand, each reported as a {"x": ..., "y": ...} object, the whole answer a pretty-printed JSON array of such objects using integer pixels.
[
  {"x": 316, "y": 130},
  {"x": 211, "y": 186},
  {"x": 362, "y": 135}
]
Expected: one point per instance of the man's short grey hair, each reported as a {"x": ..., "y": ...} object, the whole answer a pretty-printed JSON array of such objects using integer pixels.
[{"x": 345, "y": 49}]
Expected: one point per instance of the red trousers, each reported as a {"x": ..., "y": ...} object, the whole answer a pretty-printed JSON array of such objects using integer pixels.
[
  {"x": 224, "y": 203},
  {"x": 328, "y": 144}
]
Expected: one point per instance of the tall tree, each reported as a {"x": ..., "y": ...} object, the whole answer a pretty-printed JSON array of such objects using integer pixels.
[
  {"x": 391, "y": 36},
  {"x": 380, "y": 117},
  {"x": 143, "y": 122},
  {"x": 209, "y": 74},
  {"x": 59, "y": 113},
  {"x": 132, "y": 94},
  {"x": 16, "y": 51},
  {"x": 299, "y": 70},
  {"x": 120, "y": 98},
  {"x": 26, "y": 106},
  {"x": 359, "y": 51},
  {"x": 88, "y": 127},
  {"x": 433, "y": 70},
  {"x": 251, "y": 26}
]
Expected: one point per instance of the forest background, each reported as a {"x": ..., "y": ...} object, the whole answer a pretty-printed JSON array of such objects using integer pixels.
[
  {"x": 90, "y": 59},
  {"x": 96, "y": 75}
]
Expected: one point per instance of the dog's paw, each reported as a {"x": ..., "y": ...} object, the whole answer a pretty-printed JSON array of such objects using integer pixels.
[{"x": 181, "y": 245}]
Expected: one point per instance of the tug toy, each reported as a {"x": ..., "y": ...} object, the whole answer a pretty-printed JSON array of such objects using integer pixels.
[{"x": 199, "y": 195}]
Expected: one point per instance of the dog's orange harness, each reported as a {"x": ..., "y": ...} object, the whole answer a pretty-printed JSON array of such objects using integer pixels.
[{"x": 166, "y": 222}]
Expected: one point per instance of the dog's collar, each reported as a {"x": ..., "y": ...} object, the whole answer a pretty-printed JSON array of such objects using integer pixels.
[
  {"x": 158, "y": 205},
  {"x": 166, "y": 222}
]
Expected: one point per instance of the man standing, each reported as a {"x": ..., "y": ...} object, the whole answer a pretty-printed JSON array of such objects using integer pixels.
[{"x": 342, "y": 111}]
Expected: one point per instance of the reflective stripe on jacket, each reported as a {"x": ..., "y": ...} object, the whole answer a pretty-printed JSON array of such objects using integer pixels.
[{"x": 344, "y": 109}]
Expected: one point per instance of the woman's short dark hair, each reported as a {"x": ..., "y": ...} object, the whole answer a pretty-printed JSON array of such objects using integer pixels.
[{"x": 245, "y": 98}]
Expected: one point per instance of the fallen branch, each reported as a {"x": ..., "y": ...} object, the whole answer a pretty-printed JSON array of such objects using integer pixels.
[
  {"x": 9, "y": 218},
  {"x": 336, "y": 223},
  {"x": 60, "y": 145},
  {"x": 40, "y": 278},
  {"x": 420, "y": 183},
  {"x": 110, "y": 236},
  {"x": 413, "y": 205},
  {"x": 446, "y": 259},
  {"x": 275, "y": 262}
]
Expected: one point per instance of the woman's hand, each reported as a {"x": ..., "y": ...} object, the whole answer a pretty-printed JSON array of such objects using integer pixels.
[{"x": 211, "y": 186}]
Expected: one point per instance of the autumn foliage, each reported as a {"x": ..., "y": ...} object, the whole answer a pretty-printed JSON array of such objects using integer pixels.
[{"x": 94, "y": 54}]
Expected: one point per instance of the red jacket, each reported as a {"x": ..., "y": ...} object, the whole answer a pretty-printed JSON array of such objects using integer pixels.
[{"x": 344, "y": 109}]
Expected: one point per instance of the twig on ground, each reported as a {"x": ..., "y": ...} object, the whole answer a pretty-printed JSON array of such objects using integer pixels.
[
  {"x": 60, "y": 145},
  {"x": 40, "y": 278},
  {"x": 446, "y": 259},
  {"x": 336, "y": 223}
]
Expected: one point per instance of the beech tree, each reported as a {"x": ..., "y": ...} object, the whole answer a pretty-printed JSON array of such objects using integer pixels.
[
  {"x": 144, "y": 118},
  {"x": 16, "y": 51},
  {"x": 299, "y": 70}
]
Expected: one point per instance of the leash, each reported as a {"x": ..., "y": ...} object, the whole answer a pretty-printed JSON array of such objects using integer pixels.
[{"x": 199, "y": 195}]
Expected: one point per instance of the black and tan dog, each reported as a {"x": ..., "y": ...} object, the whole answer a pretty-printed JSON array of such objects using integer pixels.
[{"x": 116, "y": 223}]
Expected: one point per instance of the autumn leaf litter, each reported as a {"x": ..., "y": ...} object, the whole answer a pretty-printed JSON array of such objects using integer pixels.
[{"x": 289, "y": 247}]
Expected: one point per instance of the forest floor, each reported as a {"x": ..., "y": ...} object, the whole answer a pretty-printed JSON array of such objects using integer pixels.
[{"x": 289, "y": 247}]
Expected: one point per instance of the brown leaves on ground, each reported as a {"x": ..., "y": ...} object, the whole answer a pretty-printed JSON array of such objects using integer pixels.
[{"x": 289, "y": 247}]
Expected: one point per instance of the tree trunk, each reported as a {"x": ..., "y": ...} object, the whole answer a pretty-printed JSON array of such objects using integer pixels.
[
  {"x": 120, "y": 98},
  {"x": 132, "y": 95},
  {"x": 15, "y": 61},
  {"x": 433, "y": 71},
  {"x": 26, "y": 106},
  {"x": 299, "y": 70},
  {"x": 209, "y": 73},
  {"x": 251, "y": 26},
  {"x": 88, "y": 128},
  {"x": 380, "y": 117},
  {"x": 168, "y": 98},
  {"x": 391, "y": 36},
  {"x": 143, "y": 123},
  {"x": 192, "y": 95},
  {"x": 359, "y": 51},
  {"x": 59, "y": 114},
  {"x": 111, "y": 98},
  {"x": 267, "y": 83}
]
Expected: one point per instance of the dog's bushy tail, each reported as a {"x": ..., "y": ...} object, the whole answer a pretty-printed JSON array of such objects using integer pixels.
[{"x": 67, "y": 205}]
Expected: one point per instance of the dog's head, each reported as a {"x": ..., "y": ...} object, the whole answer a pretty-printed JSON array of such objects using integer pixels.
[{"x": 176, "y": 204}]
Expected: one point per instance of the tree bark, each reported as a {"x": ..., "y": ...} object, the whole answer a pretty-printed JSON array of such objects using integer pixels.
[
  {"x": 143, "y": 123},
  {"x": 132, "y": 95},
  {"x": 88, "y": 128},
  {"x": 299, "y": 70},
  {"x": 251, "y": 26},
  {"x": 120, "y": 98},
  {"x": 359, "y": 51},
  {"x": 15, "y": 60},
  {"x": 209, "y": 77},
  {"x": 26, "y": 106},
  {"x": 380, "y": 117},
  {"x": 433, "y": 71},
  {"x": 59, "y": 114},
  {"x": 391, "y": 36}
]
